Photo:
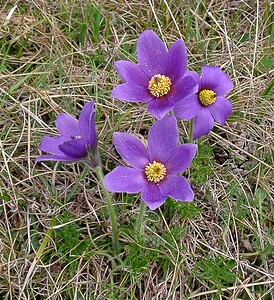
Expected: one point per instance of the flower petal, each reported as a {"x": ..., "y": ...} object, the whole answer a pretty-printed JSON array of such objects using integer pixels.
[
  {"x": 75, "y": 148},
  {"x": 151, "y": 53},
  {"x": 162, "y": 139},
  {"x": 131, "y": 149},
  {"x": 87, "y": 124},
  {"x": 176, "y": 61},
  {"x": 131, "y": 92},
  {"x": 214, "y": 79},
  {"x": 124, "y": 179},
  {"x": 183, "y": 88},
  {"x": 181, "y": 158},
  {"x": 55, "y": 158},
  {"x": 220, "y": 109},
  {"x": 51, "y": 144},
  {"x": 159, "y": 107},
  {"x": 188, "y": 108},
  {"x": 130, "y": 72},
  {"x": 152, "y": 196},
  {"x": 177, "y": 187},
  {"x": 195, "y": 76},
  {"x": 203, "y": 123},
  {"x": 67, "y": 126}
]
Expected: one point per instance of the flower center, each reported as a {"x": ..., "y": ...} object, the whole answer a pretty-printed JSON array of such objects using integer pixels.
[
  {"x": 207, "y": 97},
  {"x": 159, "y": 85},
  {"x": 155, "y": 171}
]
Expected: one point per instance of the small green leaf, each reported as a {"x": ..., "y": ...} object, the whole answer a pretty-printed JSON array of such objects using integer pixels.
[
  {"x": 266, "y": 63},
  {"x": 268, "y": 90},
  {"x": 260, "y": 194}
]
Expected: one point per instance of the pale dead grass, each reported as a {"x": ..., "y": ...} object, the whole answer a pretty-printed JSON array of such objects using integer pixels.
[{"x": 32, "y": 195}]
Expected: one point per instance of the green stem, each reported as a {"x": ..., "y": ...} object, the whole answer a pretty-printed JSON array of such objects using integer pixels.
[
  {"x": 111, "y": 210},
  {"x": 140, "y": 217},
  {"x": 190, "y": 140}
]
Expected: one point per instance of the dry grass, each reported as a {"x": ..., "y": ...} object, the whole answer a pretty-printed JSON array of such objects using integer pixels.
[{"x": 54, "y": 243}]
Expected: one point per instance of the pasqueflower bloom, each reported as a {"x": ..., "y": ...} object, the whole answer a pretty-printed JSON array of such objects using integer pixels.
[
  {"x": 209, "y": 103},
  {"x": 158, "y": 76},
  {"x": 77, "y": 140},
  {"x": 153, "y": 170}
]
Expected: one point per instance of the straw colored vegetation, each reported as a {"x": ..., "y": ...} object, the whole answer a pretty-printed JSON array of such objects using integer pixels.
[{"x": 55, "y": 242}]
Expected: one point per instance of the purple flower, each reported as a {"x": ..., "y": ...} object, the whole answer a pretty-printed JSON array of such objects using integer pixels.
[
  {"x": 209, "y": 103},
  {"x": 153, "y": 171},
  {"x": 158, "y": 76},
  {"x": 77, "y": 140}
]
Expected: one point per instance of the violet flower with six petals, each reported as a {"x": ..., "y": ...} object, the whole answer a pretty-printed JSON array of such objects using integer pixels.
[
  {"x": 77, "y": 140},
  {"x": 158, "y": 78},
  {"x": 209, "y": 103},
  {"x": 153, "y": 170}
]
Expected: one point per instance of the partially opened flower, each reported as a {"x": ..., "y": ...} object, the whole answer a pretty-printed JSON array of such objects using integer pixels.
[
  {"x": 209, "y": 103},
  {"x": 158, "y": 76},
  {"x": 77, "y": 140},
  {"x": 153, "y": 170}
]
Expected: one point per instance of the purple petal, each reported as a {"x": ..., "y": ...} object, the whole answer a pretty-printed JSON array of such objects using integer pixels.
[
  {"x": 181, "y": 158},
  {"x": 131, "y": 149},
  {"x": 177, "y": 187},
  {"x": 67, "y": 126},
  {"x": 203, "y": 123},
  {"x": 75, "y": 148},
  {"x": 131, "y": 92},
  {"x": 87, "y": 124},
  {"x": 214, "y": 79},
  {"x": 220, "y": 109},
  {"x": 131, "y": 72},
  {"x": 124, "y": 179},
  {"x": 151, "y": 53},
  {"x": 176, "y": 61},
  {"x": 195, "y": 76},
  {"x": 55, "y": 158},
  {"x": 152, "y": 196},
  {"x": 162, "y": 139},
  {"x": 159, "y": 107},
  {"x": 188, "y": 108},
  {"x": 183, "y": 88},
  {"x": 51, "y": 144}
]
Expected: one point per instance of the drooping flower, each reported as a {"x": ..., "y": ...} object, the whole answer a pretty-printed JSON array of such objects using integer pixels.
[
  {"x": 153, "y": 170},
  {"x": 209, "y": 103},
  {"x": 158, "y": 76},
  {"x": 77, "y": 140}
]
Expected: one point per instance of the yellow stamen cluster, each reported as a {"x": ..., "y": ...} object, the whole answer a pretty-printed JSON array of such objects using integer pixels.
[
  {"x": 159, "y": 85},
  {"x": 78, "y": 136},
  {"x": 207, "y": 97},
  {"x": 155, "y": 171}
]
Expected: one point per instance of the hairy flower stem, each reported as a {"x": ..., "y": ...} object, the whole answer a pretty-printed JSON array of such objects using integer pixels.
[
  {"x": 190, "y": 131},
  {"x": 111, "y": 210},
  {"x": 140, "y": 217}
]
